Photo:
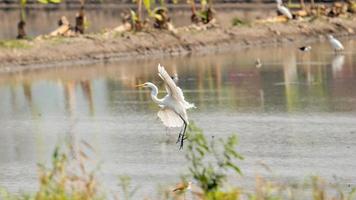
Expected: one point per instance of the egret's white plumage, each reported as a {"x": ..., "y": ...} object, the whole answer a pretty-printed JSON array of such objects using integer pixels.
[
  {"x": 173, "y": 90},
  {"x": 283, "y": 10},
  {"x": 173, "y": 105},
  {"x": 170, "y": 118},
  {"x": 336, "y": 44}
]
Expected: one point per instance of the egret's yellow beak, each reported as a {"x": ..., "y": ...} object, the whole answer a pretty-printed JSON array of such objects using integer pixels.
[{"x": 141, "y": 85}]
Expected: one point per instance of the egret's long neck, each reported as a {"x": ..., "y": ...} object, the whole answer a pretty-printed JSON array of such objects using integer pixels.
[{"x": 154, "y": 92}]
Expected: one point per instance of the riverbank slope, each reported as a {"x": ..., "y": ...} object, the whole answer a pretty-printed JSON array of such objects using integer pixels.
[{"x": 26, "y": 55}]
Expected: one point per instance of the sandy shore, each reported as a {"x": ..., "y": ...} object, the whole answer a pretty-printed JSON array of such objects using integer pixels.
[{"x": 27, "y": 55}]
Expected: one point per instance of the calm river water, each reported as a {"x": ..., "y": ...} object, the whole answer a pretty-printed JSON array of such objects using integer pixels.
[{"x": 295, "y": 114}]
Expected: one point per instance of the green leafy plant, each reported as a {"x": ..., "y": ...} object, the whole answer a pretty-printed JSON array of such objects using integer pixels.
[
  {"x": 239, "y": 22},
  {"x": 49, "y": 1},
  {"x": 158, "y": 13},
  {"x": 6, "y": 195},
  {"x": 135, "y": 21},
  {"x": 315, "y": 189},
  {"x": 15, "y": 44},
  {"x": 320, "y": 188},
  {"x": 205, "y": 14},
  {"x": 21, "y": 32},
  {"x": 81, "y": 22},
  {"x": 67, "y": 179},
  {"x": 210, "y": 161},
  {"x": 125, "y": 184}
]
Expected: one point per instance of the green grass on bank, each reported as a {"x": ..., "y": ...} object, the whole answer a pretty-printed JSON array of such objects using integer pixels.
[
  {"x": 236, "y": 21},
  {"x": 14, "y": 44}
]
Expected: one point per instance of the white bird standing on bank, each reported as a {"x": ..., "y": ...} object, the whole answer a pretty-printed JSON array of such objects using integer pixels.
[
  {"x": 336, "y": 44},
  {"x": 283, "y": 10},
  {"x": 173, "y": 105}
]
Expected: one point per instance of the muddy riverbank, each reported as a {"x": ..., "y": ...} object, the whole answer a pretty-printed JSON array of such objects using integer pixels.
[{"x": 27, "y": 55}]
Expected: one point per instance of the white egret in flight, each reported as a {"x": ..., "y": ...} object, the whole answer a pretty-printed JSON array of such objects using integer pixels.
[
  {"x": 283, "y": 10},
  {"x": 336, "y": 44},
  {"x": 173, "y": 106}
]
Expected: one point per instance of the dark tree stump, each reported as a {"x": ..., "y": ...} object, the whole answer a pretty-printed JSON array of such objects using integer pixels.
[
  {"x": 21, "y": 29},
  {"x": 79, "y": 21}
]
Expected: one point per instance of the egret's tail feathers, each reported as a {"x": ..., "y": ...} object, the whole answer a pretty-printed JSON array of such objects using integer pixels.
[{"x": 170, "y": 118}]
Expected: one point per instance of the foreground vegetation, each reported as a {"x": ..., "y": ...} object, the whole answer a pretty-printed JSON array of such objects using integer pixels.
[{"x": 211, "y": 161}]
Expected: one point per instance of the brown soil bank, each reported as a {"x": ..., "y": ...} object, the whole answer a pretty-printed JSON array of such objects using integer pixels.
[{"x": 25, "y": 55}]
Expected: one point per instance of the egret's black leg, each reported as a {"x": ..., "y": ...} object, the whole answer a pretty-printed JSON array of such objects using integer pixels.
[
  {"x": 185, "y": 129},
  {"x": 180, "y": 135},
  {"x": 183, "y": 138}
]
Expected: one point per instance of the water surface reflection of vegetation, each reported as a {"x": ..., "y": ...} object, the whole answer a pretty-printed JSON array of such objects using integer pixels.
[{"x": 289, "y": 81}]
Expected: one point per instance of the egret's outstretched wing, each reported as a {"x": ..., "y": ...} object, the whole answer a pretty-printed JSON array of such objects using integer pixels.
[
  {"x": 170, "y": 118},
  {"x": 172, "y": 88},
  {"x": 171, "y": 85}
]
